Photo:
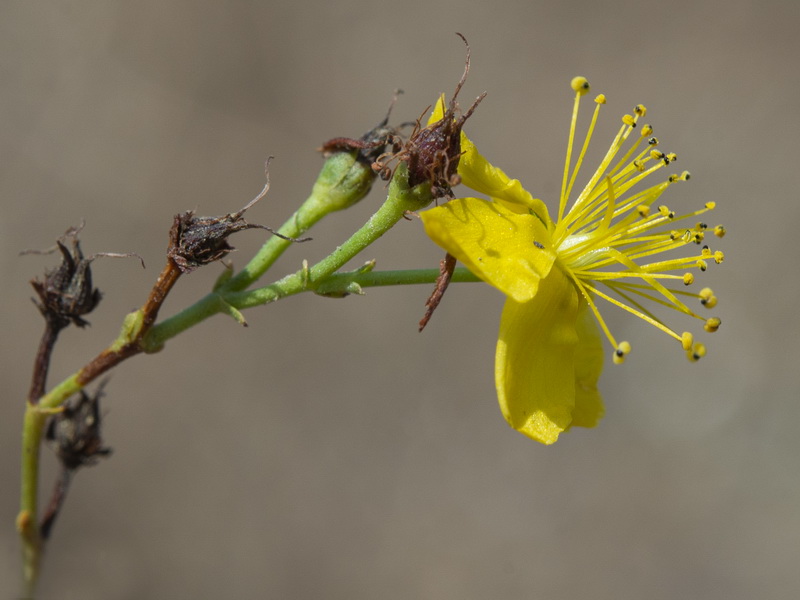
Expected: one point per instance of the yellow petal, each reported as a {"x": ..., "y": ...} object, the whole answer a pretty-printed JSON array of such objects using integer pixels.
[
  {"x": 480, "y": 175},
  {"x": 535, "y": 362},
  {"x": 588, "y": 366},
  {"x": 438, "y": 111},
  {"x": 509, "y": 251}
]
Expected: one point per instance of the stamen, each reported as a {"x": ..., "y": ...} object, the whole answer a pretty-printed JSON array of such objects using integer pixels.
[
  {"x": 697, "y": 352},
  {"x": 712, "y": 324},
  {"x": 581, "y": 87}
]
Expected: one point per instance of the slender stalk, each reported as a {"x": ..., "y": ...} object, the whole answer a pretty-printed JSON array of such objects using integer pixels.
[
  {"x": 400, "y": 201},
  {"x": 41, "y": 364}
]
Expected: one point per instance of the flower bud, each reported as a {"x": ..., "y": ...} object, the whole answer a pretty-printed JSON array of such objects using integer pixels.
[
  {"x": 348, "y": 174},
  {"x": 343, "y": 181}
]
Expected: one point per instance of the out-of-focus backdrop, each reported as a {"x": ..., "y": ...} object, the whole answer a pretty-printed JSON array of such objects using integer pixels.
[{"x": 329, "y": 450}]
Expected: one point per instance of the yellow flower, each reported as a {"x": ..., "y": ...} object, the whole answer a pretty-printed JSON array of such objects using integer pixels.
[{"x": 605, "y": 246}]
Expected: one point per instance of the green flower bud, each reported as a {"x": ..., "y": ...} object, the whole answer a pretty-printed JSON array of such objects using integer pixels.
[{"x": 343, "y": 181}]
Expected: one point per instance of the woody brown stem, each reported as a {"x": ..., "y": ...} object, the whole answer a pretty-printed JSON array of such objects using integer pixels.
[
  {"x": 41, "y": 364},
  {"x": 56, "y": 502},
  {"x": 112, "y": 356}
]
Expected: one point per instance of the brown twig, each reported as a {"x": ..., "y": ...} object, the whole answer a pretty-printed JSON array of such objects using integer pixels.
[
  {"x": 56, "y": 502},
  {"x": 112, "y": 356},
  {"x": 446, "y": 267},
  {"x": 41, "y": 363}
]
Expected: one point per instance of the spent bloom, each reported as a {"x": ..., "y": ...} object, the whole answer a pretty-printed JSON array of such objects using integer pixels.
[{"x": 610, "y": 241}]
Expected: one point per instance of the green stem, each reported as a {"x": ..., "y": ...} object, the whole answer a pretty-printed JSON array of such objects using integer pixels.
[
  {"x": 342, "y": 182},
  {"x": 401, "y": 200},
  {"x": 341, "y": 284},
  {"x": 27, "y": 525},
  {"x": 402, "y": 277}
]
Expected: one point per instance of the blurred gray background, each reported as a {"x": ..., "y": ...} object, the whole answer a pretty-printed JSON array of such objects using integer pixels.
[{"x": 329, "y": 450}]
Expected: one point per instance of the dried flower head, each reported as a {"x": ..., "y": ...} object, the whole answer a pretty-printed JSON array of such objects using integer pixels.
[
  {"x": 432, "y": 152},
  {"x": 196, "y": 241},
  {"x": 66, "y": 294},
  {"x": 373, "y": 143},
  {"x": 75, "y": 431}
]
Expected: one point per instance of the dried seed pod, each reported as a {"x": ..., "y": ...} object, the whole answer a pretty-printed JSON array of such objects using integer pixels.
[
  {"x": 66, "y": 294},
  {"x": 373, "y": 143},
  {"x": 197, "y": 241},
  {"x": 75, "y": 431}
]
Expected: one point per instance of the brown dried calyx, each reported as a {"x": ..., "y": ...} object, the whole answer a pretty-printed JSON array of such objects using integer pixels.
[
  {"x": 196, "y": 241},
  {"x": 75, "y": 431},
  {"x": 66, "y": 294},
  {"x": 373, "y": 143},
  {"x": 432, "y": 153}
]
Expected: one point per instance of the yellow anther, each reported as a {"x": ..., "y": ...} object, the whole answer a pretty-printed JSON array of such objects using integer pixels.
[
  {"x": 711, "y": 205},
  {"x": 686, "y": 340},
  {"x": 701, "y": 226},
  {"x": 601, "y": 99},
  {"x": 688, "y": 278},
  {"x": 621, "y": 352},
  {"x": 673, "y": 178},
  {"x": 580, "y": 85},
  {"x": 664, "y": 210},
  {"x": 707, "y": 298},
  {"x": 712, "y": 324},
  {"x": 706, "y": 252},
  {"x": 719, "y": 256},
  {"x": 643, "y": 210},
  {"x": 647, "y": 130},
  {"x": 697, "y": 352},
  {"x": 640, "y": 110},
  {"x": 638, "y": 165},
  {"x": 629, "y": 120},
  {"x": 687, "y": 236},
  {"x": 702, "y": 265},
  {"x": 671, "y": 157},
  {"x": 656, "y": 154},
  {"x": 719, "y": 231},
  {"x": 699, "y": 236},
  {"x": 653, "y": 141},
  {"x": 686, "y": 176}
]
